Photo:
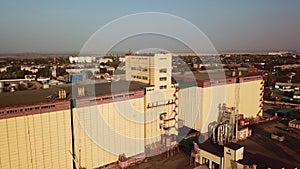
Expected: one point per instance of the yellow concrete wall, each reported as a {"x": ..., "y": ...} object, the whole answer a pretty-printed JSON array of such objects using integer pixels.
[
  {"x": 44, "y": 140},
  {"x": 190, "y": 106},
  {"x": 239, "y": 154},
  {"x": 231, "y": 156},
  {"x": 250, "y": 98},
  {"x": 152, "y": 129},
  {"x": 200, "y": 106},
  {"x": 104, "y": 131},
  {"x": 205, "y": 102},
  {"x": 152, "y": 115},
  {"x": 36, "y": 141}
]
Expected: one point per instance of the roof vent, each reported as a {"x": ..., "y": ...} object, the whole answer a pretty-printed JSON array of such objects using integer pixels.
[
  {"x": 81, "y": 92},
  {"x": 62, "y": 94}
]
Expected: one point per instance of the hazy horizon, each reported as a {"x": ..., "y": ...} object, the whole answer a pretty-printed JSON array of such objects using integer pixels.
[{"x": 64, "y": 26}]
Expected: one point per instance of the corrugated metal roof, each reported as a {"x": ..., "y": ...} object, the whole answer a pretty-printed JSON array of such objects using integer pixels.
[{"x": 284, "y": 111}]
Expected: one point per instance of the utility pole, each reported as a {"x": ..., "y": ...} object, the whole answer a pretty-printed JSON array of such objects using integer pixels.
[{"x": 72, "y": 105}]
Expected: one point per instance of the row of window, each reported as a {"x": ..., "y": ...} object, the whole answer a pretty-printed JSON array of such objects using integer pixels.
[
  {"x": 139, "y": 77},
  {"x": 139, "y": 69},
  {"x": 146, "y": 78},
  {"x": 150, "y": 90},
  {"x": 48, "y": 107},
  {"x": 52, "y": 106},
  {"x": 163, "y": 70},
  {"x": 107, "y": 98},
  {"x": 14, "y": 111},
  {"x": 27, "y": 109},
  {"x": 32, "y": 108},
  {"x": 110, "y": 97}
]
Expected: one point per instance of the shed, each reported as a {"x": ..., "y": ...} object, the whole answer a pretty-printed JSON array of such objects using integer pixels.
[{"x": 284, "y": 112}]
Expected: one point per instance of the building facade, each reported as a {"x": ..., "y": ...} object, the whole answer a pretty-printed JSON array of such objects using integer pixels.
[
  {"x": 91, "y": 126},
  {"x": 200, "y": 104}
]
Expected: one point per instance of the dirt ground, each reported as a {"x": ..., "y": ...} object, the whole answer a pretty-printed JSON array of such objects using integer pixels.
[{"x": 178, "y": 161}]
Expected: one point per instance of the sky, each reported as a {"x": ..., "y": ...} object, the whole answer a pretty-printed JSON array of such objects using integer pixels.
[{"x": 65, "y": 25}]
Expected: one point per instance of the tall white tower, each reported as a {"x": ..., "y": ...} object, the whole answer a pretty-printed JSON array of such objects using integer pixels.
[
  {"x": 161, "y": 97},
  {"x": 154, "y": 69}
]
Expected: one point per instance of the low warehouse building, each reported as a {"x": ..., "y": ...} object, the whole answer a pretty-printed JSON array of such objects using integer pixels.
[{"x": 294, "y": 124}]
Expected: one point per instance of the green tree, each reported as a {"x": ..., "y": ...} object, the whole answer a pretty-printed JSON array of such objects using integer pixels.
[
  {"x": 44, "y": 72},
  {"x": 61, "y": 71}
]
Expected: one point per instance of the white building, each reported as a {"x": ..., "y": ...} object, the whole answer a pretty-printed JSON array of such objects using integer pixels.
[{"x": 105, "y": 60}]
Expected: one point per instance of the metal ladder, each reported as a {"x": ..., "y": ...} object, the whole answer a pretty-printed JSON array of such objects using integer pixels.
[{"x": 172, "y": 117}]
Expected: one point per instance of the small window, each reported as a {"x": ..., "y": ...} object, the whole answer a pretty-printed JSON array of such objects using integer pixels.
[
  {"x": 145, "y": 78},
  {"x": 163, "y": 78},
  {"x": 163, "y": 87},
  {"x": 164, "y": 70}
]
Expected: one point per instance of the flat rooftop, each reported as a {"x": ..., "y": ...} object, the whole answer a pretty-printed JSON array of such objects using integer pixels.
[
  {"x": 213, "y": 148},
  {"x": 28, "y": 97},
  {"x": 295, "y": 122},
  {"x": 233, "y": 146},
  {"x": 213, "y": 75},
  {"x": 263, "y": 161}
]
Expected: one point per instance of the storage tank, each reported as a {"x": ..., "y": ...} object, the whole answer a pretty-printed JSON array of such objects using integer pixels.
[
  {"x": 233, "y": 74},
  {"x": 240, "y": 73}
]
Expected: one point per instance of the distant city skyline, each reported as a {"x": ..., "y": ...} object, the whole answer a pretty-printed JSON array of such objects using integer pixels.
[{"x": 64, "y": 26}]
